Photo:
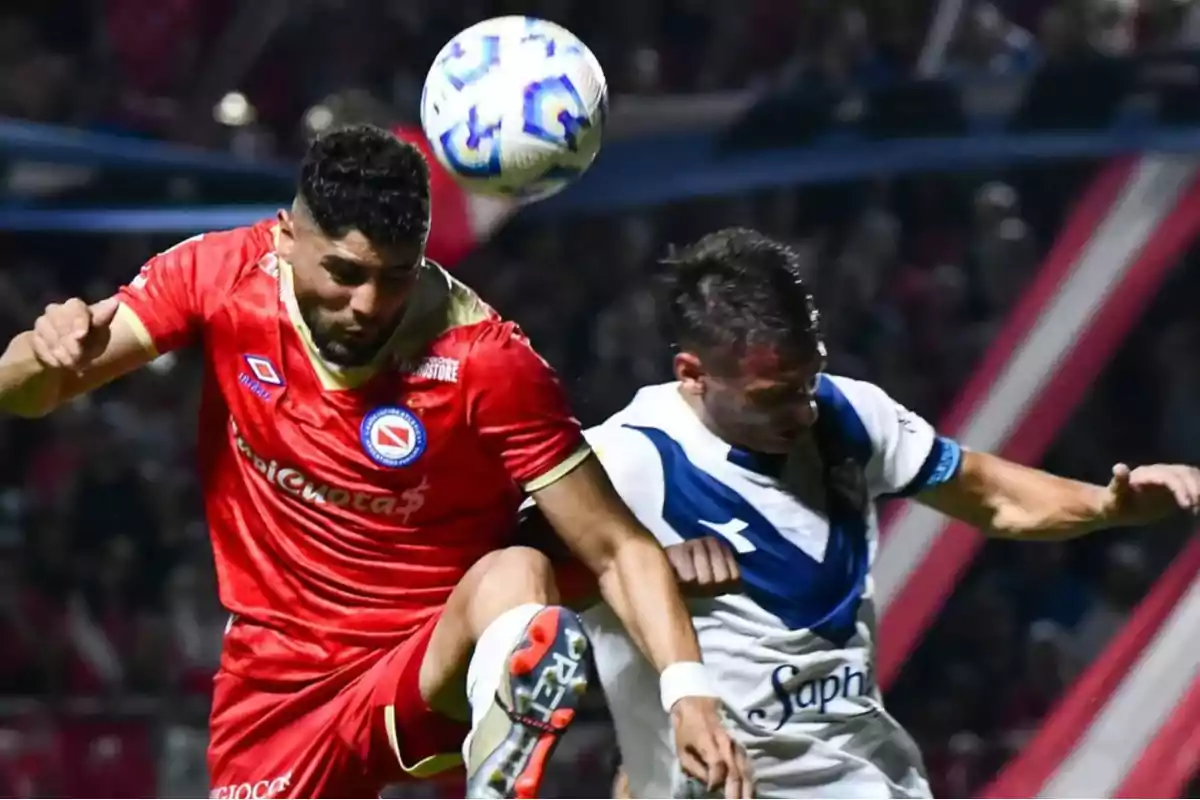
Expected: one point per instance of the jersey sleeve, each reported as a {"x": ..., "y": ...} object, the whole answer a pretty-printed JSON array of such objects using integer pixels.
[
  {"x": 519, "y": 409},
  {"x": 635, "y": 470},
  {"x": 907, "y": 454},
  {"x": 171, "y": 295}
]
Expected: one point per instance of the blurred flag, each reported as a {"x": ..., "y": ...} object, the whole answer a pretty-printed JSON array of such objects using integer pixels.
[
  {"x": 1128, "y": 727},
  {"x": 1126, "y": 233},
  {"x": 462, "y": 221}
]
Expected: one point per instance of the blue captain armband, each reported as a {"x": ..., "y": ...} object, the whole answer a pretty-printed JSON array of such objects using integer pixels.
[{"x": 941, "y": 466}]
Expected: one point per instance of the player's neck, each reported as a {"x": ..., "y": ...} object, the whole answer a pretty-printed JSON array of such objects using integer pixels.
[
  {"x": 763, "y": 463},
  {"x": 747, "y": 457}
]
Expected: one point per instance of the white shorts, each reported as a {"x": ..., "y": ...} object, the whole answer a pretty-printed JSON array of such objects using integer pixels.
[{"x": 866, "y": 756}]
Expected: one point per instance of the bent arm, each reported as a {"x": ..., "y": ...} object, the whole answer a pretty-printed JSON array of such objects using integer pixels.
[
  {"x": 30, "y": 389},
  {"x": 705, "y": 567},
  {"x": 633, "y": 573},
  {"x": 1012, "y": 501}
]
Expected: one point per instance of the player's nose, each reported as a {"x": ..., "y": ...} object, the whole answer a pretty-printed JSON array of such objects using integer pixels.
[{"x": 365, "y": 302}]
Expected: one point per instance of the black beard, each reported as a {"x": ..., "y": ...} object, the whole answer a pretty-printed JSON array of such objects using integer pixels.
[
  {"x": 343, "y": 356},
  {"x": 340, "y": 353}
]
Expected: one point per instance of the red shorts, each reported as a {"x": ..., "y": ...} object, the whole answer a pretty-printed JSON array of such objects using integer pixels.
[{"x": 341, "y": 736}]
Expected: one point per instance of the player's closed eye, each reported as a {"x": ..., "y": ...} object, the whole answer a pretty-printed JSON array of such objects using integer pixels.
[
  {"x": 783, "y": 394},
  {"x": 345, "y": 274},
  {"x": 398, "y": 277}
]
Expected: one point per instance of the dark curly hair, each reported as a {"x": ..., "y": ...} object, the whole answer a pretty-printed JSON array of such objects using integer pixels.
[
  {"x": 736, "y": 288},
  {"x": 363, "y": 178}
]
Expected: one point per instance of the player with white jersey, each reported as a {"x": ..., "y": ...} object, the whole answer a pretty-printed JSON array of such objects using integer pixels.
[
  {"x": 793, "y": 652},
  {"x": 755, "y": 444}
]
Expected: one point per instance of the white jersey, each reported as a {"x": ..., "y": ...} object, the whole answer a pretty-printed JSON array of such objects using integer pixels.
[{"x": 793, "y": 654}]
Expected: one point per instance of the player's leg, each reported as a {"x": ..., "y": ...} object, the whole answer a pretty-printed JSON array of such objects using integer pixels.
[
  {"x": 644, "y": 734},
  {"x": 277, "y": 742},
  {"x": 527, "y": 669}
]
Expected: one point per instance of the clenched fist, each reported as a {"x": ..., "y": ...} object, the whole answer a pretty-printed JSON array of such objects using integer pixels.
[
  {"x": 69, "y": 335},
  {"x": 705, "y": 567}
]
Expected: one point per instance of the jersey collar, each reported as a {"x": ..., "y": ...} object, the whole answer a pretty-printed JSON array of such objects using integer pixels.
[
  {"x": 696, "y": 437},
  {"x": 423, "y": 319},
  {"x": 690, "y": 431}
]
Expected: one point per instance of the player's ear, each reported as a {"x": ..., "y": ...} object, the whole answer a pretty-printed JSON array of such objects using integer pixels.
[
  {"x": 689, "y": 371},
  {"x": 285, "y": 238}
]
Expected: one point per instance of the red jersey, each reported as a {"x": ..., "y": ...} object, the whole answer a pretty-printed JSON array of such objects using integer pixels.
[{"x": 344, "y": 505}]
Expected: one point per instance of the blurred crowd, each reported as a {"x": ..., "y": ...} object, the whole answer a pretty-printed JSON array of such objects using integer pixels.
[
  {"x": 108, "y": 586},
  {"x": 912, "y": 278},
  {"x": 161, "y": 69},
  {"x": 107, "y": 590}
]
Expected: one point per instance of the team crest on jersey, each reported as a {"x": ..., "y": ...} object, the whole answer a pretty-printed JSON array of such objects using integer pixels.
[
  {"x": 264, "y": 370},
  {"x": 392, "y": 436}
]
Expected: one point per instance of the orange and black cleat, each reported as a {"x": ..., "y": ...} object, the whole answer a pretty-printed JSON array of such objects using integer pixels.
[{"x": 545, "y": 677}]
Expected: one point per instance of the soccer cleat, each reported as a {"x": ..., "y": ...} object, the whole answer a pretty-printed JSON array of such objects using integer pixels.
[{"x": 545, "y": 677}]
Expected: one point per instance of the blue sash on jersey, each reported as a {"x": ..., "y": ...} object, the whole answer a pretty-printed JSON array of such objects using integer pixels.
[{"x": 821, "y": 596}]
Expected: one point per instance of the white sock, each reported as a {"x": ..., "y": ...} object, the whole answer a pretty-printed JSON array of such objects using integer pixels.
[{"x": 484, "y": 671}]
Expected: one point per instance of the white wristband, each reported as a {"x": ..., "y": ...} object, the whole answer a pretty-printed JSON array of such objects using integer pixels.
[{"x": 684, "y": 679}]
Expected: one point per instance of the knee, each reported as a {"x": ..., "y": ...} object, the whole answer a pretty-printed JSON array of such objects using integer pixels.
[
  {"x": 520, "y": 570},
  {"x": 508, "y": 578}
]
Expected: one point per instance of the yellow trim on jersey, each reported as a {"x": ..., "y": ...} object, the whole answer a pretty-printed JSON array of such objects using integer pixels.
[
  {"x": 130, "y": 318},
  {"x": 560, "y": 471},
  {"x": 465, "y": 307},
  {"x": 438, "y": 303},
  {"x": 432, "y": 765},
  {"x": 331, "y": 376}
]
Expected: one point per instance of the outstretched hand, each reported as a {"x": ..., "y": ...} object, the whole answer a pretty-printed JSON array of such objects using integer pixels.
[{"x": 1150, "y": 493}]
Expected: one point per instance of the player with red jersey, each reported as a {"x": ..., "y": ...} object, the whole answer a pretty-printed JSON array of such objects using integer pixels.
[{"x": 368, "y": 429}]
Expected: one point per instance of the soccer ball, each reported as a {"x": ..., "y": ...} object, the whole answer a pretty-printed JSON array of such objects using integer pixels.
[{"x": 515, "y": 106}]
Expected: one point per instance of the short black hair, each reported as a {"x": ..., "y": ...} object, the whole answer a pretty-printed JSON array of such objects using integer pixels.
[
  {"x": 363, "y": 178},
  {"x": 735, "y": 288}
]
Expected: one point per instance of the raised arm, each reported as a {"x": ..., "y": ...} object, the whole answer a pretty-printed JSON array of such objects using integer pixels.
[
  {"x": 1017, "y": 502},
  {"x": 1002, "y": 498},
  {"x": 74, "y": 347},
  {"x": 71, "y": 349}
]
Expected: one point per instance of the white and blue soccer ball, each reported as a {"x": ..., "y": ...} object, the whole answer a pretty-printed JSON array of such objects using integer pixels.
[{"x": 515, "y": 106}]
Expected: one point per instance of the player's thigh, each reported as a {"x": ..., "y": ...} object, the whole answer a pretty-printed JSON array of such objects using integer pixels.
[
  {"x": 348, "y": 735},
  {"x": 397, "y": 733},
  {"x": 500, "y": 581},
  {"x": 276, "y": 744}
]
